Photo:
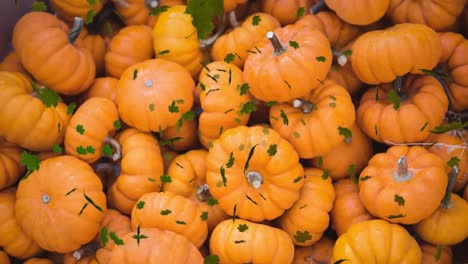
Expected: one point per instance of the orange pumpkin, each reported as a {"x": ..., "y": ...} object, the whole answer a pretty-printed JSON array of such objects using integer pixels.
[
  {"x": 151, "y": 245},
  {"x": 230, "y": 5},
  {"x": 347, "y": 208},
  {"x": 349, "y": 157},
  {"x": 188, "y": 172},
  {"x": 454, "y": 61},
  {"x": 241, "y": 40},
  {"x": 308, "y": 218},
  {"x": 91, "y": 129},
  {"x": 376, "y": 59},
  {"x": 176, "y": 39},
  {"x": 181, "y": 138},
  {"x": 436, "y": 254},
  {"x": 249, "y": 168},
  {"x": 318, "y": 253},
  {"x": 12, "y": 238},
  {"x": 140, "y": 170},
  {"x": 224, "y": 100},
  {"x": 68, "y": 9},
  {"x": 12, "y": 63},
  {"x": 138, "y": 12},
  {"x": 391, "y": 189},
  {"x": 465, "y": 193},
  {"x": 376, "y": 241},
  {"x": 103, "y": 87},
  {"x": 65, "y": 66},
  {"x": 97, "y": 46},
  {"x": 314, "y": 125},
  {"x": 285, "y": 10},
  {"x": 169, "y": 211},
  {"x": 4, "y": 259},
  {"x": 241, "y": 241},
  {"x": 10, "y": 164},
  {"x": 28, "y": 121},
  {"x": 158, "y": 96},
  {"x": 441, "y": 15},
  {"x": 291, "y": 66},
  {"x": 70, "y": 193},
  {"x": 419, "y": 107},
  {"x": 38, "y": 261},
  {"x": 361, "y": 12},
  {"x": 132, "y": 45}
]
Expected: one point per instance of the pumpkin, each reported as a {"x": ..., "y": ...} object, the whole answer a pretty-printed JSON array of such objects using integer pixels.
[
  {"x": 168, "y": 156},
  {"x": 224, "y": 100},
  {"x": 70, "y": 193},
  {"x": 12, "y": 238},
  {"x": 451, "y": 216},
  {"x": 455, "y": 63},
  {"x": 440, "y": 15},
  {"x": 91, "y": 128},
  {"x": 38, "y": 261},
  {"x": 392, "y": 189},
  {"x": 376, "y": 241},
  {"x": 12, "y": 63},
  {"x": 239, "y": 42},
  {"x": 291, "y": 66},
  {"x": 361, "y": 12},
  {"x": 139, "y": 171},
  {"x": 151, "y": 245},
  {"x": 80, "y": 257},
  {"x": 405, "y": 116},
  {"x": 58, "y": 61},
  {"x": 97, "y": 46},
  {"x": 308, "y": 219},
  {"x": 347, "y": 208},
  {"x": 376, "y": 59},
  {"x": 138, "y": 12},
  {"x": 169, "y": 211},
  {"x": 188, "y": 172},
  {"x": 349, "y": 157},
  {"x": 436, "y": 254},
  {"x": 285, "y": 10},
  {"x": 317, "y": 253},
  {"x": 176, "y": 39},
  {"x": 132, "y": 45},
  {"x": 465, "y": 193},
  {"x": 10, "y": 164},
  {"x": 158, "y": 96},
  {"x": 4, "y": 259},
  {"x": 241, "y": 241},
  {"x": 68, "y": 9},
  {"x": 103, "y": 87},
  {"x": 253, "y": 173},
  {"x": 230, "y": 5},
  {"x": 181, "y": 138},
  {"x": 26, "y": 120},
  {"x": 314, "y": 124}
]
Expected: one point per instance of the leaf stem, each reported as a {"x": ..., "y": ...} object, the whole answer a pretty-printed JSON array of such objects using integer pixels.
[
  {"x": 76, "y": 29},
  {"x": 116, "y": 146},
  {"x": 317, "y": 7},
  {"x": 207, "y": 42},
  {"x": 446, "y": 202},
  {"x": 402, "y": 173},
  {"x": 255, "y": 179},
  {"x": 279, "y": 48},
  {"x": 233, "y": 19},
  {"x": 304, "y": 105}
]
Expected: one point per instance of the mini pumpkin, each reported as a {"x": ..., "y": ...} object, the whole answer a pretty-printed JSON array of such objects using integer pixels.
[
  {"x": 12, "y": 63},
  {"x": 432, "y": 254},
  {"x": 26, "y": 120},
  {"x": 38, "y": 261},
  {"x": 241, "y": 241},
  {"x": 183, "y": 137},
  {"x": 66, "y": 189},
  {"x": 10, "y": 166},
  {"x": 97, "y": 46},
  {"x": 289, "y": 63},
  {"x": 361, "y": 12},
  {"x": 103, "y": 87},
  {"x": 248, "y": 168},
  {"x": 285, "y": 10},
  {"x": 68, "y": 9},
  {"x": 4, "y": 257},
  {"x": 139, "y": 12},
  {"x": 317, "y": 253},
  {"x": 66, "y": 66},
  {"x": 376, "y": 241},
  {"x": 392, "y": 189},
  {"x": 132, "y": 45}
]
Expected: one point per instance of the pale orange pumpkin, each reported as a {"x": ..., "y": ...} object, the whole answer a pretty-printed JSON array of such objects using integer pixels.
[
  {"x": 181, "y": 138},
  {"x": 285, "y": 10},
  {"x": 97, "y": 46},
  {"x": 432, "y": 254},
  {"x": 103, "y": 87},
  {"x": 361, "y": 12},
  {"x": 68, "y": 9},
  {"x": 38, "y": 261},
  {"x": 138, "y": 12},
  {"x": 12, "y": 63},
  {"x": 10, "y": 164}
]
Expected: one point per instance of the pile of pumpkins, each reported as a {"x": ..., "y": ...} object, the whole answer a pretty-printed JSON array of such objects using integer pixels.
[{"x": 210, "y": 131}]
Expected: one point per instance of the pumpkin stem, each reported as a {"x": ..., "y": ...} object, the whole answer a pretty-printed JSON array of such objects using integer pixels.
[
  {"x": 152, "y": 4},
  {"x": 203, "y": 192},
  {"x": 341, "y": 59},
  {"x": 107, "y": 168},
  {"x": 233, "y": 19},
  {"x": 76, "y": 29},
  {"x": 207, "y": 42},
  {"x": 45, "y": 198},
  {"x": 402, "y": 174},
  {"x": 122, "y": 3},
  {"x": 398, "y": 85},
  {"x": 86, "y": 250},
  {"x": 255, "y": 179},
  {"x": 304, "y": 105},
  {"x": 446, "y": 201},
  {"x": 317, "y": 7},
  {"x": 279, "y": 48},
  {"x": 116, "y": 146}
]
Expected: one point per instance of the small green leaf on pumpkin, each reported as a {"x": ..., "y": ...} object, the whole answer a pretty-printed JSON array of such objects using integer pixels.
[
  {"x": 284, "y": 117},
  {"x": 239, "y": 241},
  {"x": 91, "y": 2},
  {"x": 251, "y": 153},
  {"x": 158, "y": 10},
  {"x": 435, "y": 74},
  {"x": 375, "y": 130},
  {"x": 93, "y": 203},
  {"x": 211, "y": 259},
  {"x": 229, "y": 58},
  {"x": 82, "y": 209},
  {"x": 321, "y": 59},
  {"x": 140, "y": 205},
  {"x": 345, "y": 132},
  {"x": 116, "y": 239},
  {"x": 90, "y": 17},
  {"x": 180, "y": 222},
  {"x": 165, "y": 212},
  {"x": 30, "y": 161},
  {"x": 298, "y": 179},
  {"x": 48, "y": 97},
  {"x": 300, "y": 12},
  {"x": 187, "y": 116},
  {"x": 340, "y": 261},
  {"x": 242, "y": 227},
  {"x": 266, "y": 131},
  {"x": 222, "y": 171},
  {"x": 424, "y": 126},
  {"x": 202, "y": 87},
  {"x": 449, "y": 127},
  {"x": 138, "y": 236},
  {"x": 234, "y": 210},
  {"x": 256, "y": 20},
  {"x": 204, "y": 216},
  {"x": 173, "y": 108},
  {"x": 165, "y": 178},
  {"x": 151, "y": 179},
  {"x": 352, "y": 173},
  {"x": 90, "y": 149},
  {"x": 104, "y": 236},
  {"x": 220, "y": 130},
  {"x": 272, "y": 150},
  {"x": 164, "y": 52},
  {"x": 319, "y": 161},
  {"x": 39, "y": 6},
  {"x": 57, "y": 149},
  {"x": 71, "y": 108},
  {"x": 453, "y": 161},
  {"x": 296, "y": 134},
  {"x": 244, "y": 88},
  {"x": 347, "y": 53},
  {"x": 438, "y": 253},
  {"x": 211, "y": 202},
  {"x": 271, "y": 103},
  {"x": 165, "y": 142},
  {"x": 212, "y": 90},
  {"x": 81, "y": 150},
  {"x": 365, "y": 178},
  {"x": 135, "y": 74},
  {"x": 287, "y": 84},
  {"x": 230, "y": 75},
  {"x": 247, "y": 108},
  {"x": 70, "y": 192},
  {"x": 302, "y": 237},
  {"x": 80, "y": 129},
  {"x": 399, "y": 200},
  {"x": 325, "y": 174},
  {"x": 151, "y": 107},
  {"x": 230, "y": 161},
  {"x": 250, "y": 199},
  {"x": 394, "y": 98},
  {"x": 107, "y": 150},
  {"x": 396, "y": 216},
  {"x": 294, "y": 44}
]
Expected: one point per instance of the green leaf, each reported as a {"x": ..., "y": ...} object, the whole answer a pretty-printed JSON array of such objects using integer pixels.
[
  {"x": 90, "y": 149},
  {"x": 435, "y": 74},
  {"x": 173, "y": 108},
  {"x": 325, "y": 174},
  {"x": 222, "y": 171},
  {"x": 204, "y": 216},
  {"x": 104, "y": 236},
  {"x": 165, "y": 142},
  {"x": 293, "y": 44},
  {"x": 90, "y": 17},
  {"x": 70, "y": 192},
  {"x": 39, "y": 6},
  {"x": 165, "y": 212},
  {"x": 319, "y": 161},
  {"x": 284, "y": 117},
  {"x": 187, "y": 116},
  {"x": 80, "y": 129},
  {"x": 365, "y": 178},
  {"x": 346, "y": 133},
  {"x": 229, "y": 58},
  {"x": 140, "y": 205},
  {"x": 271, "y": 103},
  {"x": 107, "y": 150},
  {"x": 298, "y": 179},
  {"x": 203, "y": 12},
  {"x": 251, "y": 153},
  {"x": 81, "y": 150},
  {"x": 91, "y": 2},
  {"x": 164, "y": 52},
  {"x": 180, "y": 222},
  {"x": 352, "y": 173},
  {"x": 347, "y": 53},
  {"x": 449, "y": 127},
  {"x": 396, "y": 216},
  {"x": 424, "y": 126},
  {"x": 239, "y": 241},
  {"x": 300, "y": 12},
  {"x": 438, "y": 253},
  {"x": 244, "y": 88},
  {"x": 394, "y": 98},
  {"x": 242, "y": 227},
  {"x": 83, "y": 208},
  {"x": 211, "y": 202},
  {"x": 234, "y": 210},
  {"x": 166, "y": 179},
  {"x": 48, "y": 97},
  {"x": 158, "y": 10},
  {"x": 57, "y": 149},
  {"x": 30, "y": 161},
  {"x": 151, "y": 107},
  {"x": 399, "y": 200},
  {"x": 453, "y": 161},
  {"x": 340, "y": 261},
  {"x": 256, "y": 20},
  {"x": 250, "y": 199},
  {"x": 211, "y": 259},
  {"x": 71, "y": 108},
  {"x": 272, "y": 150},
  {"x": 230, "y": 161},
  {"x": 302, "y": 237},
  {"x": 247, "y": 108},
  {"x": 138, "y": 236},
  {"x": 135, "y": 74},
  {"x": 92, "y": 203},
  {"x": 321, "y": 59},
  {"x": 116, "y": 239}
]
